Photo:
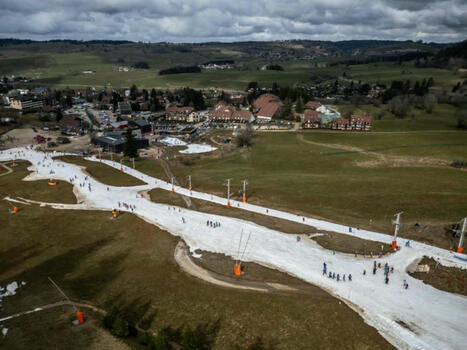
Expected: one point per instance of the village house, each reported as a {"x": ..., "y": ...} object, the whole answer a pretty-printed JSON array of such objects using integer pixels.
[
  {"x": 224, "y": 113},
  {"x": 360, "y": 123},
  {"x": 313, "y": 105},
  {"x": 106, "y": 101},
  {"x": 179, "y": 114},
  {"x": 311, "y": 120},
  {"x": 72, "y": 125},
  {"x": 124, "y": 108},
  {"x": 268, "y": 106},
  {"x": 26, "y": 103},
  {"x": 142, "y": 125},
  {"x": 340, "y": 124}
]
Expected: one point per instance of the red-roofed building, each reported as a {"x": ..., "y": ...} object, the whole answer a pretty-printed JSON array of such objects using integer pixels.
[
  {"x": 242, "y": 116},
  {"x": 340, "y": 124},
  {"x": 269, "y": 106},
  {"x": 312, "y": 105},
  {"x": 224, "y": 113},
  {"x": 360, "y": 122},
  {"x": 311, "y": 119},
  {"x": 175, "y": 113}
]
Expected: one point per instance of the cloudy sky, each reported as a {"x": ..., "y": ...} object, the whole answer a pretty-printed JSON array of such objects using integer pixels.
[{"x": 234, "y": 20}]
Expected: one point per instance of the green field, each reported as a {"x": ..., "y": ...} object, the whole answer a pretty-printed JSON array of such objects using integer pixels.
[
  {"x": 349, "y": 187},
  {"x": 129, "y": 263},
  {"x": 60, "y": 70}
]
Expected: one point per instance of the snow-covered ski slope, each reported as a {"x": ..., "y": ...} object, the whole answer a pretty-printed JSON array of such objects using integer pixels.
[{"x": 421, "y": 317}]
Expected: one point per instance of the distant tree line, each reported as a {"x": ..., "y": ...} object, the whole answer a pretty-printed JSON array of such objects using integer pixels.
[
  {"x": 409, "y": 56},
  {"x": 141, "y": 65},
  {"x": 180, "y": 69},
  {"x": 219, "y": 62},
  {"x": 274, "y": 67}
]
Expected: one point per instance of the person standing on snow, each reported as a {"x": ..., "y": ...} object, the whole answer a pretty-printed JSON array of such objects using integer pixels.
[{"x": 324, "y": 268}]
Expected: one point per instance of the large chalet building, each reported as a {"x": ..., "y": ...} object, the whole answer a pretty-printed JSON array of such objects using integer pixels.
[
  {"x": 27, "y": 103},
  {"x": 185, "y": 114},
  {"x": 268, "y": 106},
  {"x": 225, "y": 113}
]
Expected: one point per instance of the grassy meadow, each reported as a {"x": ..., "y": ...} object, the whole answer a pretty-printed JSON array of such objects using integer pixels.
[
  {"x": 59, "y": 70},
  {"x": 350, "y": 187}
]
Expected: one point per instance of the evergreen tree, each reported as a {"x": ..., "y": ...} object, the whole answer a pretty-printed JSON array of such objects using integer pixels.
[
  {"x": 287, "y": 110},
  {"x": 299, "y": 106},
  {"x": 133, "y": 92},
  {"x": 130, "y": 148},
  {"x": 59, "y": 115}
]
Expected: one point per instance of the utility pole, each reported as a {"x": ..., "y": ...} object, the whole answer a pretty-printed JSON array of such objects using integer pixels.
[
  {"x": 460, "y": 248},
  {"x": 121, "y": 166},
  {"x": 100, "y": 159},
  {"x": 133, "y": 162},
  {"x": 397, "y": 224},
  {"x": 79, "y": 314},
  {"x": 245, "y": 182},
  {"x": 173, "y": 187},
  {"x": 228, "y": 193},
  {"x": 189, "y": 182}
]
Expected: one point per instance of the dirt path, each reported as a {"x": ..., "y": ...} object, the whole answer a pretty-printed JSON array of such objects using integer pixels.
[
  {"x": 183, "y": 259},
  {"x": 216, "y": 142},
  {"x": 7, "y": 168},
  {"x": 79, "y": 206},
  {"x": 54, "y": 305},
  {"x": 380, "y": 159}
]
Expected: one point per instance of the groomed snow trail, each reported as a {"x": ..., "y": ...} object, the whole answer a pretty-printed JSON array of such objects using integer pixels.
[{"x": 435, "y": 319}]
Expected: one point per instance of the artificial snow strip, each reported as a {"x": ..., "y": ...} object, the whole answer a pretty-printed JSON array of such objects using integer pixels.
[{"x": 420, "y": 317}]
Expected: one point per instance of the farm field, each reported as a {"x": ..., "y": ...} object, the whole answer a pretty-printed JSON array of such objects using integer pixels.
[
  {"x": 132, "y": 263},
  {"x": 349, "y": 187},
  {"x": 60, "y": 70}
]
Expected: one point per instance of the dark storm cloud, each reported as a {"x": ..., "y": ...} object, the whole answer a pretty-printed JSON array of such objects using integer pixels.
[{"x": 234, "y": 20}]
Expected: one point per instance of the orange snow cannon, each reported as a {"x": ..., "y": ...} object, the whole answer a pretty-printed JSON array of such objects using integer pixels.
[
  {"x": 80, "y": 317},
  {"x": 460, "y": 250},
  {"x": 52, "y": 183},
  {"x": 237, "y": 270},
  {"x": 228, "y": 204},
  {"x": 244, "y": 199},
  {"x": 394, "y": 245},
  {"x": 15, "y": 209}
]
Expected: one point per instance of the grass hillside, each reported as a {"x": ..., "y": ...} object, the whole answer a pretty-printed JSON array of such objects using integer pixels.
[{"x": 350, "y": 178}]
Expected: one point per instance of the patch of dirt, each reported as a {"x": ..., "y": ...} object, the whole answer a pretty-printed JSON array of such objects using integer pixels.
[
  {"x": 380, "y": 159},
  {"x": 348, "y": 244},
  {"x": 387, "y": 161},
  {"x": 449, "y": 279}
]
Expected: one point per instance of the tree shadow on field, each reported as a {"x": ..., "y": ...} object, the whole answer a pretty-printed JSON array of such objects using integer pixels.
[
  {"x": 87, "y": 285},
  {"x": 18, "y": 255}
]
